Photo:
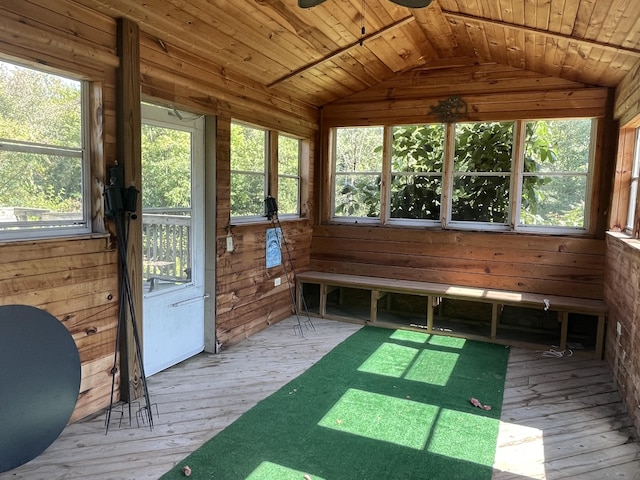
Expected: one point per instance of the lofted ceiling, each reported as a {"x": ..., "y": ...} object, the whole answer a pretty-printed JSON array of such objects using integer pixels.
[{"x": 320, "y": 55}]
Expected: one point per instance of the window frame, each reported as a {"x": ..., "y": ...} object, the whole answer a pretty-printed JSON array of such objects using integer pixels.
[
  {"x": 560, "y": 230},
  {"x": 381, "y": 217},
  {"x": 264, "y": 173},
  {"x": 387, "y": 194},
  {"x": 450, "y": 172},
  {"x": 271, "y": 173},
  {"x": 298, "y": 177},
  {"x": 634, "y": 188},
  {"x": 59, "y": 228},
  {"x": 516, "y": 176}
]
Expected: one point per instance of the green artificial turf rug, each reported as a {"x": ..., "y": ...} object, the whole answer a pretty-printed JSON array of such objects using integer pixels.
[{"x": 384, "y": 404}]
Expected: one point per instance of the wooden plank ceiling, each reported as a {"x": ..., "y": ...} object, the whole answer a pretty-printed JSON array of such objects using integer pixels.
[{"x": 316, "y": 55}]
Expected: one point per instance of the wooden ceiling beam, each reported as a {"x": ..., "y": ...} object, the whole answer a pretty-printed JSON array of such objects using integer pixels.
[
  {"x": 546, "y": 33},
  {"x": 339, "y": 52}
]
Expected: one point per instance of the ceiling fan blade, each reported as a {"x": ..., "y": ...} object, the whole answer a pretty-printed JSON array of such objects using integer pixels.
[
  {"x": 309, "y": 3},
  {"x": 413, "y": 3}
]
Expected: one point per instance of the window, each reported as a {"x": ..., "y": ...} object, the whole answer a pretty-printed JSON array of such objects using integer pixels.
[
  {"x": 257, "y": 173},
  {"x": 516, "y": 175},
  {"x": 557, "y": 154},
  {"x": 358, "y": 170},
  {"x": 44, "y": 165},
  {"x": 288, "y": 175},
  {"x": 248, "y": 170},
  {"x": 633, "y": 191},
  {"x": 417, "y": 163},
  {"x": 482, "y": 172}
]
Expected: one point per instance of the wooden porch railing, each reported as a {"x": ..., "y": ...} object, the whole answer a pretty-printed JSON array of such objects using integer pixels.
[{"x": 166, "y": 238}]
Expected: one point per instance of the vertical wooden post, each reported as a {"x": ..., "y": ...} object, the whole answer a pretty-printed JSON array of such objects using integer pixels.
[
  {"x": 564, "y": 328},
  {"x": 373, "y": 314},
  {"x": 129, "y": 157},
  {"x": 430, "y": 299},
  {"x": 495, "y": 313}
]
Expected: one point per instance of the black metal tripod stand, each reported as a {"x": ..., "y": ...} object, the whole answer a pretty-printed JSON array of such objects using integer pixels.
[
  {"x": 121, "y": 205},
  {"x": 271, "y": 210}
]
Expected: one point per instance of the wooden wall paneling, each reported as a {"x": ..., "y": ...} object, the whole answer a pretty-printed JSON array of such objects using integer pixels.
[
  {"x": 76, "y": 281},
  {"x": 429, "y": 265},
  {"x": 516, "y": 284},
  {"x": 246, "y": 299},
  {"x": 70, "y": 18},
  {"x": 622, "y": 294},
  {"x": 489, "y": 107},
  {"x": 465, "y": 79},
  {"x": 527, "y": 263},
  {"x": 37, "y": 35},
  {"x": 452, "y": 238}
]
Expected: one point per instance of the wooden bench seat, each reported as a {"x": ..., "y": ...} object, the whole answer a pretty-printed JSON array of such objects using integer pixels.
[{"x": 497, "y": 298}]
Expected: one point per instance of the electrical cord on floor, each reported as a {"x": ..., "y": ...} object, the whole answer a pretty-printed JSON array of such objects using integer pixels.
[{"x": 553, "y": 353}]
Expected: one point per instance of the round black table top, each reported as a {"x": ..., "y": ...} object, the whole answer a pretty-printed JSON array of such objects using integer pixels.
[{"x": 39, "y": 382}]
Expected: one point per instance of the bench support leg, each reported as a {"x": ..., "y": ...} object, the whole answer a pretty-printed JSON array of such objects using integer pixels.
[
  {"x": 323, "y": 300},
  {"x": 495, "y": 312},
  {"x": 430, "y": 313},
  {"x": 600, "y": 337},
  {"x": 564, "y": 328},
  {"x": 373, "y": 315}
]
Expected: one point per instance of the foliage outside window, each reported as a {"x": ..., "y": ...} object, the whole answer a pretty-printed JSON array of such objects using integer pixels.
[
  {"x": 557, "y": 155},
  {"x": 254, "y": 172},
  {"x": 633, "y": 188},
  {"x": 169, "y": 144},
  {"x": 417, "y": 163},
  {"x": 288, "y": 175},
  {"x": 358, "y": 170},
  {"x": 482, "y": 172},
  {"x": 166, "y": 168},
  {"x": 480, "y": 182},
  {"x": 248, "y": 170},
  {"x": 43, "y": 155}
]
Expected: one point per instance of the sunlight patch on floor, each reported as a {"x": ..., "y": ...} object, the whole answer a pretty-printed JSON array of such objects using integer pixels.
[
  {"x": 520, "y": 451},
  {"x": 273, "y": 471},
  {"x": 380, "y": 417}
]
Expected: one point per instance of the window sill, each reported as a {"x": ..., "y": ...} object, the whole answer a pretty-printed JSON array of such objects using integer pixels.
[
  {"x": 253, "y": 221},
  {"x": 632, "y": 243},
  {"x": 58, "y": 238}
]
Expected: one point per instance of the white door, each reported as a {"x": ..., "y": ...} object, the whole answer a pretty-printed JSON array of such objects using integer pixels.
[{"x": 172, "y": 236}]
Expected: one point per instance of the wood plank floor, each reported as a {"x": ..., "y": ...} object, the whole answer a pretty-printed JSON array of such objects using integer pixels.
[{"x": 562, "y": 417}]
